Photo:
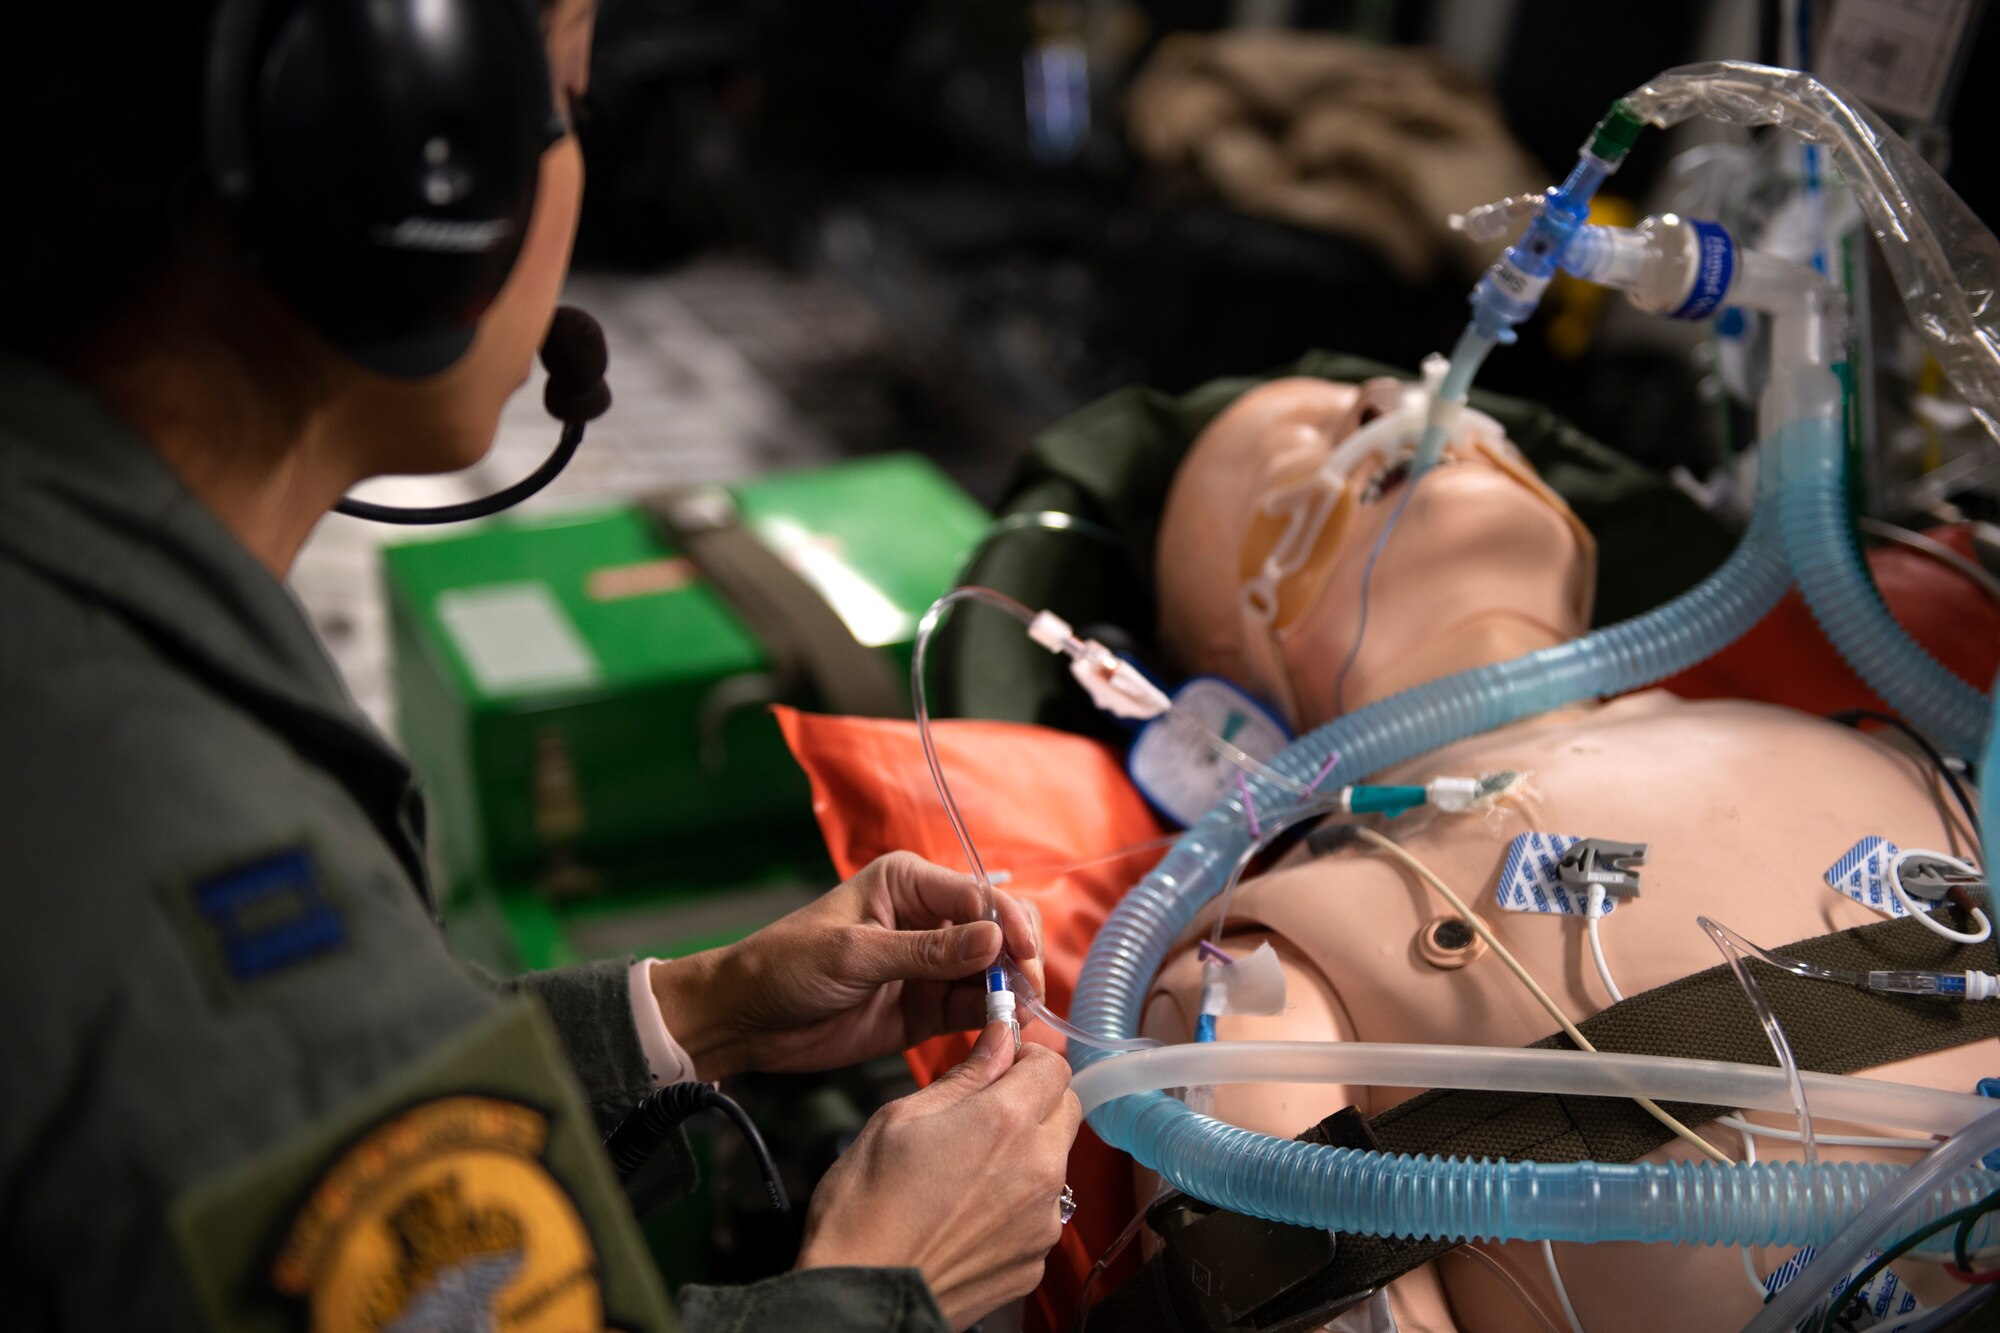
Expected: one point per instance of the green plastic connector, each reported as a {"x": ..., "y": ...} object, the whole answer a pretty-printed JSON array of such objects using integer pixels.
[
  {"x": 1390, "y": 801},
  {"x": 1617, "y": 132}
]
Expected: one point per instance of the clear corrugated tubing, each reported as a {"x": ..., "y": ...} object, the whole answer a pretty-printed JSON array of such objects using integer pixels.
[
  {"x": 1945, "y": 264},
  {"x": 1819, "y": 545}
]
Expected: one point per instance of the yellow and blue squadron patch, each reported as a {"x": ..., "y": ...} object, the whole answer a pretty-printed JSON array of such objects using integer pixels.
[{"x": 444, "y": 1219}]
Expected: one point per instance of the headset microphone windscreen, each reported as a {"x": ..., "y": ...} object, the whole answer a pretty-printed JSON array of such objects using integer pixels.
[{"x": 574, "y": 355}]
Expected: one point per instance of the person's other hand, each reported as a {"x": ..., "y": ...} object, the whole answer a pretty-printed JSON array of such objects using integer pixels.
[
  {"x": 960, "y": 1180},
  {"x": 892, "y": 957}
]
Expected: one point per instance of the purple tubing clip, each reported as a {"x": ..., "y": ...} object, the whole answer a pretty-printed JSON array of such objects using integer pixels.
[
  {"x": 1213, "y": 953},
  {"x": 1249, "y": 807}
]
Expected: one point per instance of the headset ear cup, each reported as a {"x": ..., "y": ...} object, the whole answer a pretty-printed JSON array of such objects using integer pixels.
[{"x": 390, "y": 155}]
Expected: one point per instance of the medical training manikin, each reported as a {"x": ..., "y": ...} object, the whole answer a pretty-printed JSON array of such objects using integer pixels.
[
  {"x": 1379, "y": 564},
  {"x": 1743, "y": 808}
]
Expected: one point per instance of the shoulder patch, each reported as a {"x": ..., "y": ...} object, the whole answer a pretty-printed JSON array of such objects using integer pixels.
[
  {"x": 467, "y": 1191},
  {"x": 444, "y": 1217},
  {"x": 261, "y": 917}
]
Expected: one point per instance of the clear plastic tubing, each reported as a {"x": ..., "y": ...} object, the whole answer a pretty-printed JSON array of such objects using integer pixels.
[
  {"x": 1819, "y": 544},
  {"x": 1989, "y": 798},
  {"x": 1375, "y": 1193},
  {"x": 1466, "y": 357},
  {"x": 1658, "y": 264},
  {"x": 1510, "y": 291},
  {"x": 1896, "y": 1212},
  {"x": 1307, "y": 1184},
  {"x": 1369, "y": 1192},
  {"x": 1945, "y": 261},
  {"x": 1527, "y": 1069}
]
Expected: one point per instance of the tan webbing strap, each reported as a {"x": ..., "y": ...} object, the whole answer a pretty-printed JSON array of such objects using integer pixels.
[
  {"x": 809, "y": 645},
  {"x": 1833, "y": 1029}
]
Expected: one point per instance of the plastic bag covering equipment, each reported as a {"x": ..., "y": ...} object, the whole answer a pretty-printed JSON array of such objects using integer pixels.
[{"x": 1945, "y": 261}]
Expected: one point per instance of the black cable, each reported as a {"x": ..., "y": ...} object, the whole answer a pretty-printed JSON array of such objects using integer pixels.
[
  {"x": 639, "y": 1135},
  {"x": 1853, "y": 717},
  {"x": 1110, "y": 1257},
  {"x": 572, "y": 436},
  {"x": 1961, "y": 1241},
  {"x": 1836, "y": 1311}
]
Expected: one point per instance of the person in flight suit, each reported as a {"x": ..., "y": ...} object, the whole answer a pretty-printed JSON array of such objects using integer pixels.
[{"x": 244, "y": 1084}]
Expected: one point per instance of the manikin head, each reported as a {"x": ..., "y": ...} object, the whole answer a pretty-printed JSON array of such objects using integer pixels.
[{"x": 1268, "y": 530}]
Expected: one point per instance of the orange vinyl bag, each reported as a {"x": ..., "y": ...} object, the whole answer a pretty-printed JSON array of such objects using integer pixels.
[{"x": 1041, "y": 806}]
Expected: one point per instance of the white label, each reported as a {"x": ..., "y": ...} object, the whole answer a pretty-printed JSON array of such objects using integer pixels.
[
  {"x": 1896, "y": 53},
  {"x": 1884, "y": 1295},
  {"x": 1531, "y": 880},
  {"x": 1521, "y": 286},
  {"x": 1178, "y": 770},
  {"x": 1863, "y": 875},
  {"x": 515, "y": 637}
]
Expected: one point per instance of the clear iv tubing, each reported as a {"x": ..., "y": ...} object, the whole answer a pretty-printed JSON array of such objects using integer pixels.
[
  {"x": 1311, "y": 1185},
  {"x": 1731, "y": 944},
  {"x": 1901, "y": 1208},
  {"x": 1530, "y": 1069},
  {"x": 1003, "y": 975},
  {"x": 1314, "y": 1186},
  {"x": 919, "y": 651},
  {"x": 1273, "y": 829}
]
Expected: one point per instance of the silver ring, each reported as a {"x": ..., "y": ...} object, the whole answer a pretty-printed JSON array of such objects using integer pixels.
[{"x": 1066, "y": 1205}]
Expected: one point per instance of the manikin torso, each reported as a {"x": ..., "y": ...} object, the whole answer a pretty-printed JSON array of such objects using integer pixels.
[{"x": 1744, "y": 808}]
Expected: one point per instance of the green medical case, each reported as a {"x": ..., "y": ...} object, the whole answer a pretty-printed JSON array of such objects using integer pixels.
[{"x": 586, "y": 710}]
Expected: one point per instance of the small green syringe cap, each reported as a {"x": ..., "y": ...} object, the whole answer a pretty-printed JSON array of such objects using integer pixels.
[{"x": 1616, "y": 133}]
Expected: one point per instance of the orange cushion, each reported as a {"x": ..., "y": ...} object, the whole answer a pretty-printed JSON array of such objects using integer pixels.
[
  {"x": 1786, "y": 660},
  {"x": 1035, "y": 803}
]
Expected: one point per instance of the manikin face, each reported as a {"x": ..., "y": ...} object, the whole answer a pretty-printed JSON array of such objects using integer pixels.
[
  {"x": 447, "y": 421},
  {"x": 1484, "y": 563}
]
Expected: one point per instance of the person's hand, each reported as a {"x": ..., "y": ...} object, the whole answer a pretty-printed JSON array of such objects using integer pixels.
[
  {"x": 890, "y": 958},
  {"x": 960, "y": 1180}
]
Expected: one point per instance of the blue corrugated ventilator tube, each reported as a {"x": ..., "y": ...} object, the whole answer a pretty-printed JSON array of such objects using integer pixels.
[{"x": 1771, "y": 1203}]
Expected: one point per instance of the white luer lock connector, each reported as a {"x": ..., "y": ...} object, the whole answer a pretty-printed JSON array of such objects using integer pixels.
[
  {"x": 1000, "y": 1009},
  {"x": 1114, "y": 685},
  {"x": 1454, "y": 796}
]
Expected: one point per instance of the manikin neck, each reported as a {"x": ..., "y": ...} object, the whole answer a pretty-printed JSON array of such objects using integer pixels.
[{"x": 1477, "y": 641}]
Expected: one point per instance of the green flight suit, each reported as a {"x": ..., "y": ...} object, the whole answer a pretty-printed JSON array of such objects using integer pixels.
[{"x": 242, "y": 1077}]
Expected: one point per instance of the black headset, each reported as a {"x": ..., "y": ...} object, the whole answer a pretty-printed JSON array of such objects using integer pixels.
[{"x": 380, "y": 159}]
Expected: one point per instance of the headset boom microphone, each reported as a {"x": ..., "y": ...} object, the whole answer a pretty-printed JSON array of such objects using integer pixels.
[{"x": 574, "y": 355}]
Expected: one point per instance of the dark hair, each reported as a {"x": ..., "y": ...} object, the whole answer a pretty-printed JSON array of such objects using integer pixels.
[{"x": 105, "y": 108}]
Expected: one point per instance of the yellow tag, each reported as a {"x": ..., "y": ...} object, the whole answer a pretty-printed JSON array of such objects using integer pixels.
[{"x": 444, "y": 1217}]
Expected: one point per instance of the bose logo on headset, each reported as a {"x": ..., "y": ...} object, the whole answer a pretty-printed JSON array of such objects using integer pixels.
[
  {"x": 442, "y": 235},
  {"x": 381, "y": 161}
]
